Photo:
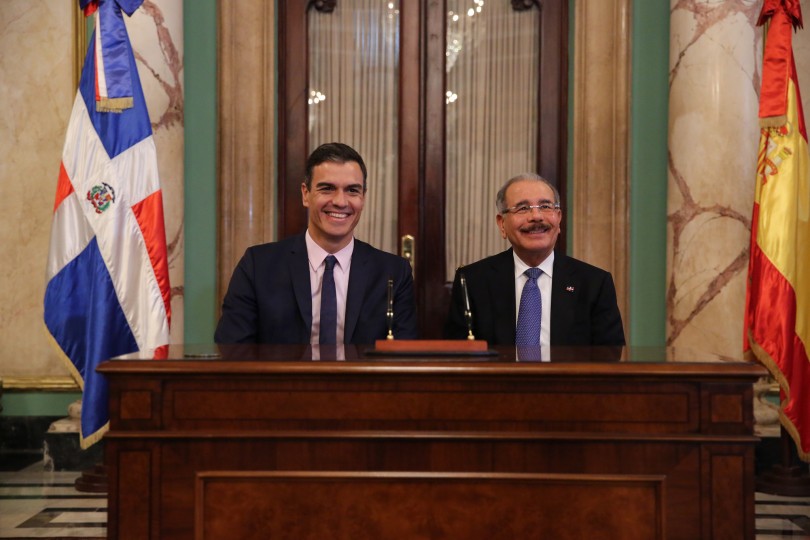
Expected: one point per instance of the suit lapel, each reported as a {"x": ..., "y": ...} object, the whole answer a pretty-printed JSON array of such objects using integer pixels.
[
  {"x": 502, "y": 291},
  {"x": 563, "y": 299},
  {"x": 298, "y": 266},
  {"x": 359, "y": 279}
]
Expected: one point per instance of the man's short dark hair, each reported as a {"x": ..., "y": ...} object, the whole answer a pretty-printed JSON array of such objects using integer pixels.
[{"x": 337, "y": 153}]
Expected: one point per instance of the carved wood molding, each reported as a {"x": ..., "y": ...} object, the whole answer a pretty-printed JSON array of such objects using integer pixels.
[
  {"x": 600, "y": 181},
  {"x": 246, "y": 117}
]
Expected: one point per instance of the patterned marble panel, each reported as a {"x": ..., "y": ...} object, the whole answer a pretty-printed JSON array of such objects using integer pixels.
[
  {"x": 37, "y": 91},
  {"x": 715, "y": 51}
]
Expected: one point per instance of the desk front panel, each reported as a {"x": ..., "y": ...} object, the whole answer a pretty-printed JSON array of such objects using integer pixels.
[{"x": 679, "y": 442}]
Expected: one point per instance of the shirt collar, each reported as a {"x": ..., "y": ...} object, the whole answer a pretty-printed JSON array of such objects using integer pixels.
[
  {"x": 547, "y": 266},
  {"x": 316, "y": 254}
]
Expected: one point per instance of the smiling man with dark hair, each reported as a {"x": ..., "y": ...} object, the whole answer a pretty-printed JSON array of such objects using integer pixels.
[{"x": 323, "y": 286}]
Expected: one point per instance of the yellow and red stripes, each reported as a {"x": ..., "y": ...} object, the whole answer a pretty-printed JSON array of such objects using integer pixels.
[{"x": 777, "y": 316}]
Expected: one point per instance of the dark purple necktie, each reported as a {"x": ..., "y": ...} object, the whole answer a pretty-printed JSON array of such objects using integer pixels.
[{"x": 328, "y": 331}]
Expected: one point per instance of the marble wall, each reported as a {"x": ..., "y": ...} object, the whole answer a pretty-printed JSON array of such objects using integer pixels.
[{"x": 37, "y": 89}]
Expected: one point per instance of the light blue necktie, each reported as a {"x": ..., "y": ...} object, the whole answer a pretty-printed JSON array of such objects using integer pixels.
[
  {"x": 530, "y": 311},
  {"x": 328, "y": 331}
]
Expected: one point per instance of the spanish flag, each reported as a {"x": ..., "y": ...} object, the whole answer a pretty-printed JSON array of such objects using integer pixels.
[{"x": 777, "y": 311}]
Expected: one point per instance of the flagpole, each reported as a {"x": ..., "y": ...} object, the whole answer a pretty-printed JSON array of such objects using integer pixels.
[
  {"x": 790, "y": 477},
  {"x": 95, "y": 480}
]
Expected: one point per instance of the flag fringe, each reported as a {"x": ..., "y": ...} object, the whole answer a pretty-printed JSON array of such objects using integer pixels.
[
  {"x": 114, "y": 105},
  {"x": 93, "y": 438},
  {"x": 765, "y": 359},
  {"x": 87, "y": 442},
  {"x": 64, "y": 358},
  {"x": 773, "y": 121}
]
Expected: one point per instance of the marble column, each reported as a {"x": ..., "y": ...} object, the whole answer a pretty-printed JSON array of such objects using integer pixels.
[
  {"x": 601, "y": 109},
  {"x": 247, "y": 121},
  {"x": 156, "y": 32},
  {"x": 715, "y": 69}
]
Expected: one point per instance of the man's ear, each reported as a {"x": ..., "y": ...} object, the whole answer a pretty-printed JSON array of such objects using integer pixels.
[
  {"x": 499, "y": 221},
  {"x": 304, "y": 193}
]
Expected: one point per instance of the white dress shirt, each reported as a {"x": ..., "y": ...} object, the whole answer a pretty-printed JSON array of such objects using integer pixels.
[
  {"x": 544, "y": 284},
  {"x": 317, "y": 265}
]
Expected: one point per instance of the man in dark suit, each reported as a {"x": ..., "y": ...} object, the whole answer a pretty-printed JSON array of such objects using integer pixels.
[
  {"x": 565, "y": 302},
  {"x": 323, "y": 286}
]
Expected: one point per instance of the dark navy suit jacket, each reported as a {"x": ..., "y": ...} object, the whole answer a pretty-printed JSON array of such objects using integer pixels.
[
  {"x": 269, "y": 298},
  {"x": 583, "y": 303}
]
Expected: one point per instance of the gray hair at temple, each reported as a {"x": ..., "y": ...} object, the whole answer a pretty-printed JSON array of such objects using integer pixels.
[{"x": 500, "y": 199}]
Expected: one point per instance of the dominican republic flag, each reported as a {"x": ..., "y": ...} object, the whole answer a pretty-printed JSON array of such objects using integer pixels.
[
  {"x": 777, "y": 310},
  {"x": 107, "y": 289}
]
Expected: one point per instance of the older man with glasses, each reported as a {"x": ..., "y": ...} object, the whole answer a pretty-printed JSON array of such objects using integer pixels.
[{"x": 528, "y": 295}]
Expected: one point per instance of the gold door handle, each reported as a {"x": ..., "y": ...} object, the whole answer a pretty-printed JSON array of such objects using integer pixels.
[{"x": 408, "y": 249}]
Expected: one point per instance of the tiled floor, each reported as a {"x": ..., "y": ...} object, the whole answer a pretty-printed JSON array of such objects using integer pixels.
[
  {"x": 782, "y": 517},
  {"x": 37, "y": 504}
]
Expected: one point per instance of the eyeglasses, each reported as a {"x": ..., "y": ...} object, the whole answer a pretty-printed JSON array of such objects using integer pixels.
[{"x": 523, "y": 209}]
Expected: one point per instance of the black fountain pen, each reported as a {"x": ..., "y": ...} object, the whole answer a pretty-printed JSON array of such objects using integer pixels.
[{"x": 467, "y": 311}]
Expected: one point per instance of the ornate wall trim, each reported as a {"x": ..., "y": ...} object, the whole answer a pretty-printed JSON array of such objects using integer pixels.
[
  {"x": 79, "y": 44},
  {"x": 44, "y": 384}
]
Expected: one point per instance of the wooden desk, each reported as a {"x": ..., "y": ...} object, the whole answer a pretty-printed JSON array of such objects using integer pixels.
[{"x": 267, "y": 443}]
